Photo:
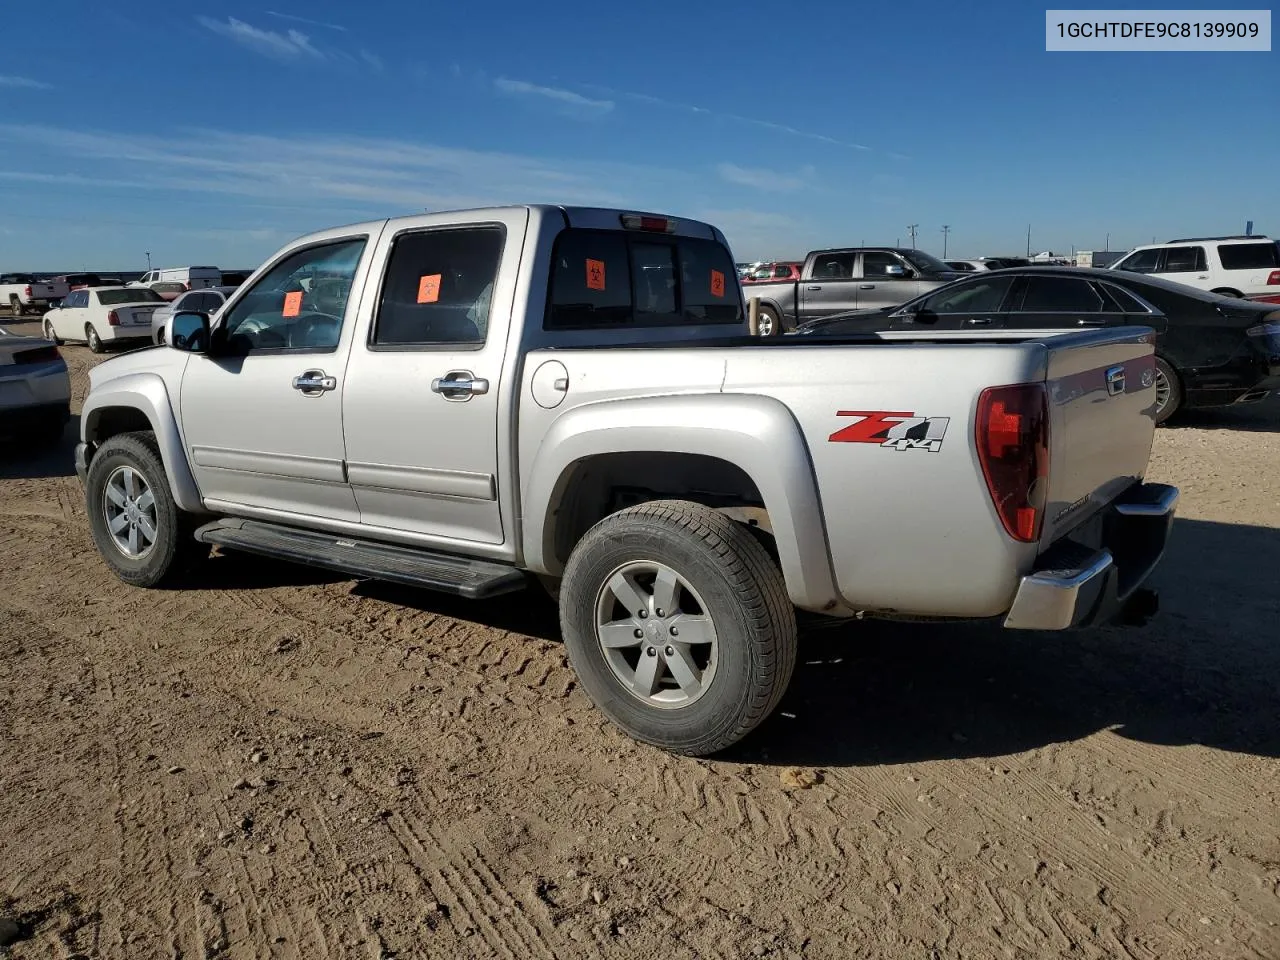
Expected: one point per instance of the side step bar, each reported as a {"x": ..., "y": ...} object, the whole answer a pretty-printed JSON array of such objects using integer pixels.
[{"x": 466, "y": 577}]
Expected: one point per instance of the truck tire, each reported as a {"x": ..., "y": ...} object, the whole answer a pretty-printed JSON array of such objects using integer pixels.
[
  {"x": 678, "y": 624},
  {"x": 138, "y": 529},
  {"x": 1168, "y": 387},
  {"x": 15, "y": 305},
  {"x": 770, "y": 324},
  {"x": 92, "y": 339}
]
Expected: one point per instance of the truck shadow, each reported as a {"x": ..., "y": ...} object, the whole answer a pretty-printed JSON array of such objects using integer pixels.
[
  {"x": 1205, "y": 671},
  {"x": 22, "y": 460}
]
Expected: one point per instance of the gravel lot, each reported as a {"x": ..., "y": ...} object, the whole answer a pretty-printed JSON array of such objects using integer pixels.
[{"x": 275, "y": 762}]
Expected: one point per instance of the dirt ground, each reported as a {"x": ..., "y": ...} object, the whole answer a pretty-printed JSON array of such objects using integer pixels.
[{"x": 273, "y": 762}]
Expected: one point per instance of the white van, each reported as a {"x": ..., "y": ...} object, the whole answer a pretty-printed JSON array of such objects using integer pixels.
[
  {"x": 194, "y": 278},
  {"x": 1242, "y": 266}
]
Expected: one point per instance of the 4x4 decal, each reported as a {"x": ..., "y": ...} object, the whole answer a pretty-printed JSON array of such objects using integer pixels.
[{"x": 896, "y": 430}]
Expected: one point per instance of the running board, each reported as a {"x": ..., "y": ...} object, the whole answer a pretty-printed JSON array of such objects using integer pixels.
[{"x": 464, "y": 576}]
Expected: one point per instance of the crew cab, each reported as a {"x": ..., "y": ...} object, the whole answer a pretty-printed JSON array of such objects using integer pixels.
[
  {"x": 475, "y": 401},
  {"x": 22, "y": 292},
  {"x": 854, "y": 278}
]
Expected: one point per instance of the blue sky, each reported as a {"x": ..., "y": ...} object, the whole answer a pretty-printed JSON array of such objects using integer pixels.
[{"x": 213, "y": 133}]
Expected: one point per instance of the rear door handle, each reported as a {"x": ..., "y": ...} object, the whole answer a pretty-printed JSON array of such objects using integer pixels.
[
  {"x": 312, "y": 383},
  {"x": 978, "y": 321},
  {"x": 1090, "y": 322},
  {"x": 816, "y": 287},
  {"x": 459, "y": 385},
  {"x": 866, "y": 286}
]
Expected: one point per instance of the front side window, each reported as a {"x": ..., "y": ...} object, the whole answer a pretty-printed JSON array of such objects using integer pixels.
[
  {"x": 298, "y": 304},
  {"x": 438, "y": 287},
  {"x": 1249, "y": 256},
  {"x": 1183, "y": 260},
  {"x": 876, "y": 265},
  {"x": 1060, "y": 295},
  {"x": 1143, "y": 261},
  {"x": 977, "y": 296},
  {"x": 608, "y": 278}
]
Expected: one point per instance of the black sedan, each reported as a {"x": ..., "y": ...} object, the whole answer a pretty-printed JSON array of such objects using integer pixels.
[{"x": 1210, "y": 350}]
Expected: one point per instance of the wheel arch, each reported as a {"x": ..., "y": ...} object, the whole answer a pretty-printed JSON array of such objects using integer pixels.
[
  {"x": 746, "y": 447},
  {"x": 141, "y": 402}
]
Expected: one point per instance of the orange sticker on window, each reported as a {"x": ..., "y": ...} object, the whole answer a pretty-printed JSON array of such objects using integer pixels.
[
  {"x": 429, "y": 288},
  {"x": 595, "y": 274},
  {"x": 717, "y": 283},
  {"x": 293, "y": 303}
]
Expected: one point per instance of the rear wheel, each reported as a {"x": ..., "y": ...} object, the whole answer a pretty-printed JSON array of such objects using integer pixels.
[
  {"x": 768, "y": 323},
  {"x": 678, "y": 624},
  {"x": 1168, "y": 391},
  {"x": 138, "y": 529},
  {"x": 15, "y": 305},
  {"x": 91, "y": 337}
]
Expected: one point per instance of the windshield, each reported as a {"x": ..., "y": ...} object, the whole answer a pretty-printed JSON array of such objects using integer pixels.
[
  {"x": 926, "y": 263},
  {"x": 112, "y": 298}
]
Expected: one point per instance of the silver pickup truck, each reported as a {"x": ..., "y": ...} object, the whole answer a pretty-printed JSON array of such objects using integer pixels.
[
  {"x": 841, "y": 280},
  {"x": 470, "y": 402}
]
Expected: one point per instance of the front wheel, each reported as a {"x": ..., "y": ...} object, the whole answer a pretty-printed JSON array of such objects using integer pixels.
[
  {"x": 137, "y": 527},
  {"x": 49, "y": 334},
  {"x": 1168, "y": 391},
  {"x": 678, "y": 624},
  {"x": 91, "y": 337}
]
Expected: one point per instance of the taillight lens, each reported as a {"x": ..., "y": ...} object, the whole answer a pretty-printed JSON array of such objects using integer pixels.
[
  {"x": 113, "y": 319},
  {"x": 37, "y": 355},
  {"x": 1013, "y": 447},
  {"x": 1273, "y": 278},
  {"x": 28, "y": 292}
]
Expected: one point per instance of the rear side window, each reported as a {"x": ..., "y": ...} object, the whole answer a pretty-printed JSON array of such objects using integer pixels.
[
  {"x": 1183, "y": 260},
  {"x": 1124, "y": 300},
  {"x": 609, "y": 278},
  {"x": 1060, "y": 295},
  {"x": 438, "y": 287},
  {"x": 1249, "y": 256},
  {"x": 833, "y": 266}
]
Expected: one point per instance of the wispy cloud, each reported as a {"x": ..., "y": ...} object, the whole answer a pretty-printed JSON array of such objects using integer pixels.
[
  {"x": 309, "y": 22},
  {"x": 730, "y": 117},
  {"x": 566, "y": 99},
  {"x": 759, "y": 179},
  {"x": 366, "y": 174},
  {"x": 25, "y": 83},
  {"x": 373, "y": 60},
  {"x": 290, "y": 45},
  {"x": 759, "y": 234}
]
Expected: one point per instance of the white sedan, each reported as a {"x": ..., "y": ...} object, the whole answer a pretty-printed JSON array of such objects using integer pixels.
[{"x": 101, "y": 315}]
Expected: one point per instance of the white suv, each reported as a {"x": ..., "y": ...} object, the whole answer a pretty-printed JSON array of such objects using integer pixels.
[{"x": 1234, "y": 266}]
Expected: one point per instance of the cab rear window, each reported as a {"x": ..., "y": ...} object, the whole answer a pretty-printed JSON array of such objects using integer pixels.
[{"x": 610, "y": 278}]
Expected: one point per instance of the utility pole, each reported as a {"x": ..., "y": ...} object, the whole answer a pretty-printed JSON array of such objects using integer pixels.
[
  {"x": 946, "y": 229},
  {"x": 148, "y": 261},
  {"x": 1108, "y": 246},
  {"x": 911, "y": 228},
  {"x": 1028, "y": 239}
]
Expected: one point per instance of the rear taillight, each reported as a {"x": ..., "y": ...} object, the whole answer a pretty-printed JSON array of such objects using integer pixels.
[
  {"x": 28, "y": 292},
  {"x": 37, "y": 355},
  {"x": 1013, "y": 447},
  {"x": 113, "y": 319},
  {"x": 1274, "y": 298},
  {"x": 1273, "y": 279}
]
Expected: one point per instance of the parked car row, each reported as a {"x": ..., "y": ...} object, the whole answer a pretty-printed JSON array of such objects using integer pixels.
[{"x": 23, "y": 293}]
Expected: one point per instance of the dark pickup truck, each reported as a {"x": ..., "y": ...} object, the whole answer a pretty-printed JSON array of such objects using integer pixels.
[{"x": 839, "y": 280}]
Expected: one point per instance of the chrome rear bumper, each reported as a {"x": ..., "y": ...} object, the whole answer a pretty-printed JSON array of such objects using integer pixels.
[{"x": 1082, "y": 584}]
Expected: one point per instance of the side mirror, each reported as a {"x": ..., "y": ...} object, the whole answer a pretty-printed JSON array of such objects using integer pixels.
[
  {"x": 189, "y": 332},
  {"x": 896, "y": 270}
]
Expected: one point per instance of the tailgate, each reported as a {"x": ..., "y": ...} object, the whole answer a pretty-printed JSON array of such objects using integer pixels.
[{"x": 1102, "y": 402}]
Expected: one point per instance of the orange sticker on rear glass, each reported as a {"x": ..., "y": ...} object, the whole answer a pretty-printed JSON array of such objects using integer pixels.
[
  {"x": 595, "y": 274},
  {"x": 429, "y": 288},
  {"x": 293, "y": 303},
  {"x": 717, "y": 283}
]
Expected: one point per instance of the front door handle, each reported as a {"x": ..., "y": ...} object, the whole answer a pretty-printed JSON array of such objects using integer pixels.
[
  {"x": 459, "y": 385},
  {"x": 814, "y": 287},
  {"x": 866, "y": 286},
  {"x": 979, "y": 321},
  {"x": 313, "y": 383},
  {"x": 1090, "y": 322}
]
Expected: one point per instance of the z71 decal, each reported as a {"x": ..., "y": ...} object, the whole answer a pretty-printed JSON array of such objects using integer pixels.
[{"x": 898, "y": 431}]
